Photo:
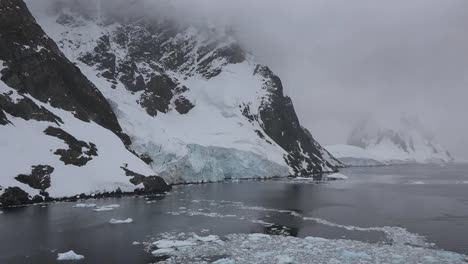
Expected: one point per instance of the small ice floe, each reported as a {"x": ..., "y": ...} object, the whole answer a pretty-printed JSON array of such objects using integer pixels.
[
  {"x": 359, "y": 255},
  {"x": 225, "y": 261},
  {"x": 417, "y": 182},
  {"x": 255, "y": 237},
  {"x": 167, "y": 247},
  {"x": 70, "y": 255},
  {"x": 116, "y": 221},
  {"x": 282, "y": 259},
  {"x": 240, "y": 248},
  {"x": 135, "y": 243},
  {"x": 83, "y": 205},
  {"x": 162, "y": 251},
  {"x": 104, "y": 208},
  {"x": 315, "y": 239},
  {"x": 337, "y": 176},
  {"x": 165, "y": 243},
  {"x": 210, "y": 238}
]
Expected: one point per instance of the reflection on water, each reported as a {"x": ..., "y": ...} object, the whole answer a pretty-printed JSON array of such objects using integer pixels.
[{"x": 372, "y": 197}]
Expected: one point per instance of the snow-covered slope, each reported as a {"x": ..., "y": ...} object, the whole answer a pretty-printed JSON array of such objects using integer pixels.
[
  {"x": 354, "y": 156},
  {"x": 193, "y": 102},
  {"x": 58, "y": 135},
  {"x": 403, "y": 141}
]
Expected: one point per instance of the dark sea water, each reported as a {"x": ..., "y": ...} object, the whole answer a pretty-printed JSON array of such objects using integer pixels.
[{"x": 428, "y": 200}]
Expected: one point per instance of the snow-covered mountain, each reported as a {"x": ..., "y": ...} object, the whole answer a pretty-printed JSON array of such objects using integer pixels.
[
  {"x": 401, "y": 142},
  {"x": 95, "y": 105}
]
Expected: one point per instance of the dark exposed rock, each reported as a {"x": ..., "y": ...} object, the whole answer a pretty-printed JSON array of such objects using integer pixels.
[
  {"x": 102, "y": 58},
  {"x": 26, "y": 109},
  {"x": 158, "y": 94},
  {"x": 152, "y": 184},
  {"x": 37, "y": 199},
  {"x": 280, "y": 123},
  {"x": 14, "y": 196},
  {"x": 146, "y": 158},
  {"x": 78, "y": 152},
  {"x": 39, "y": 178},
  {"x": 183, "y": 106},
  {"x": 36, "y": 66},
  {"x": 3, "y": 118}
]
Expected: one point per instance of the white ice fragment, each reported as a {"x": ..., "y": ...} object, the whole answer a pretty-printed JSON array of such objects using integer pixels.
[
  {"x": 109, "y": 207},
  {"x": 136, "y": 243},
  {"x": 70, "y": 255},
  {"x": 255, "y": 237},
  {"x": 352, "y": 254},
  {"x": 83, "y": 205},
  {"x": 451, "y": 256},
  {"x": 165, "y": 243},
  {"x": 209, "y": 238},
  {"x": 337, "y": 176},
  {"x": 126, "y": 221},
  {"x": 282, "y": 259},
  {"x": 103, "y": 209},
  {"x": 224, "y": 261},
  {"x": 112, "y": 205},
  {"x": 162, "y": 251},
  {"x": 316, "y": 239},
  {"x": 417, "y": 182}
]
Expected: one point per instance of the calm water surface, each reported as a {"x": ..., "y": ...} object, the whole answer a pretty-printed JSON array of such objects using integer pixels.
[{"x": 428, "y": 200}]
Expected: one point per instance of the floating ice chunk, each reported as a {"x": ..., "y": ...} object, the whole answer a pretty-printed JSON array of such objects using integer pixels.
[
  {"x": 126, "y": 221},
  {"x": 337, "y": 176},
  {"x": 255, "y": 237},
  {"x": 351, "y": 254},
  {"x": 1, "y": 212},
  {"x": 112, "y": 205},
  {"x": 109, "y": 207},
  {"x": 417, "y": 182},
  {"x": 429, "y": 259},
  {"x": 162, "y": 251},
  {"x": 103, "y": 209},
  {"x": 451, "y": 256},
  {"x": 316, "y": 239},
  {"x": 283, "y": 259},
  {"x": 70, "y": 255},
  {"x": 264, "y": 254},
  {"x": 280, "y": 249},
  {"x": 225, "y": 261},
  {"x": 136, "y": 243},
  {"x": 83, "y": 205},
  {"x": 164, "y": 243},
  {"x": 209, "y": 238}
]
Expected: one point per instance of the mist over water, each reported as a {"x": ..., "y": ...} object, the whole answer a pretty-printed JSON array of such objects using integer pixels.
[{"x": 339, "y": 60}]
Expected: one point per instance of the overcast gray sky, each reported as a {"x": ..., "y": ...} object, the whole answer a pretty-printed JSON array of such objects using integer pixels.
[{"x": 341, "y": 60}]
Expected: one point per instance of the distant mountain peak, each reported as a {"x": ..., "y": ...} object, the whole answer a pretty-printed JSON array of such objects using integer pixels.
[{"x": 402, "y": 140}]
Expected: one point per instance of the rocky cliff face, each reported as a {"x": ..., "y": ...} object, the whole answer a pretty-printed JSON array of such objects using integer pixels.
[
  {"x": 59, "y": 135},
  {"x": 33, "y": 64}
]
